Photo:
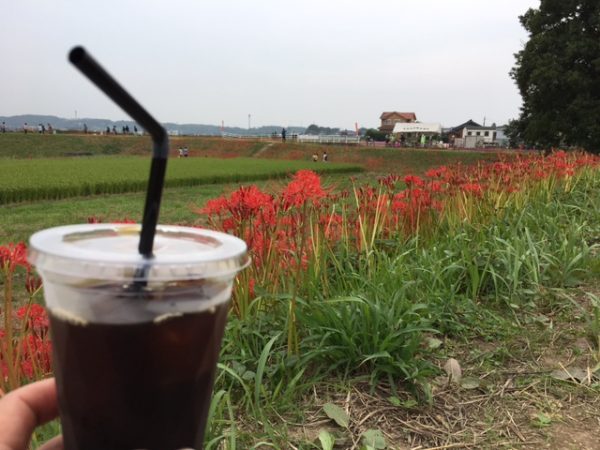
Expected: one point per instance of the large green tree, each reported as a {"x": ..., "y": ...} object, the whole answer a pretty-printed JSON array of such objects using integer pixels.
[{"x": 558, "y": 75}]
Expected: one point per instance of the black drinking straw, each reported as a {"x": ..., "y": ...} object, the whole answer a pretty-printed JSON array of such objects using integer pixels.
[{"x": 160, "y": 141}]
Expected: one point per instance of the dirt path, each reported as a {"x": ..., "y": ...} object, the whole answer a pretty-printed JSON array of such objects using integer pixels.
[{"x": 261, "y": 150}]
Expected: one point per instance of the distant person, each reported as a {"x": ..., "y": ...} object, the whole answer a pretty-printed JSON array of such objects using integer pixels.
[
  {"x": 50, "y": 130},
  {"x": 25, "y": 128},
  {"x": 283, "y": 134},
  {"x": 43, "y": 129},
  {"x": 315, "y": 157},
  {"x": 85, "y": 130},
  {"x": 186, "y": 152},
  {"x": 135, "y": 130},
  {"x": 39, "y": 128},
  {"x": 325, "y": 157},
  {"x": 3, "y": 127},
  {"x": 181, "y": 152},
  {"x": 423, "y": 140},
  {"x": 114, "y": 129},
  {"x": 107, "y": 130}
]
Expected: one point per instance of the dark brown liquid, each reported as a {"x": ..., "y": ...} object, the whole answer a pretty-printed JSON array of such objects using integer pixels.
[{"x": 136, "y": 386}]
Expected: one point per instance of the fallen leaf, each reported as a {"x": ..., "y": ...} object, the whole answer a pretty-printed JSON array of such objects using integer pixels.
[
  {"x": 337, "y": 414},
  {"x": 374, "y": 439},
  {"x": 452, "y": 368},
  {"x": 576, "y": 374},
  {"x": 433, "y": 343},
  {"x": 327, "y": 440},
  {"x": 469, "y": 383}
]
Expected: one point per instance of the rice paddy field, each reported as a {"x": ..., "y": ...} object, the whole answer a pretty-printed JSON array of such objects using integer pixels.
[
  {"x": 427, "y": 299},
  {"x": 47, "y": 179}
]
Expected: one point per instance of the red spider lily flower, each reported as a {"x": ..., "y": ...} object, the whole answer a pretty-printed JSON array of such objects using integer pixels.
[
  {"x": 215, "y": 206},
  {"x": 437, "y": 205},
  {"x": 419, "y": 198},
  {"x": 94, "y": 219},
  {"x": 246, "y": 202},
  {"x": 436, "y": 186},
  {"x": 125, "y": 220},
  {"x": 32, "y": 282},
  {"x": 251, "y": 284},
  {"x": 27, "y": 368},
  {"x": 36, "y": 317},
  {"x": 228, "y": 225},
  {"x": 437, "y": 172},
  {"x": 399, "y": 206},
  {"x": 13, "y": 255},
  {"x": 473, "y": 188},
  {"x": 332, "y": 226},
  {"x": 413, "y": 180},
  {"x": 389, "y": 181},
  {"x": 242, "y": 204},
  {"x": 304, "y": 188},
  {"x": 36, "y": 352}
]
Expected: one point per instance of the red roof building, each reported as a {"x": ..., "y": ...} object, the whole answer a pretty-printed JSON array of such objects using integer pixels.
[{"x": 389, "y": 119}]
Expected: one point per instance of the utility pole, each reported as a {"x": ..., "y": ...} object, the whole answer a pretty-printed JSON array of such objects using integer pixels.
[
  {"x": 249, "y": 116},
  {"x": 484, "y": 121}
]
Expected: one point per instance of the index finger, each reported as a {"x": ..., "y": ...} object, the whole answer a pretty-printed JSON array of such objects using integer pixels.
[{"x": 23, "y": 409}]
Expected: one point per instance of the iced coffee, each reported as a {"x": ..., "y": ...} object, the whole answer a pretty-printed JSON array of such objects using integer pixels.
[{"x": 135, "y": 340}]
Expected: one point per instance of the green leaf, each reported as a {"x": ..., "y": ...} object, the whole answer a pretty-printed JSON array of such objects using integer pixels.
[
  {"x": 410, "y": 403},
  {"x": 469, "y": 383},
  {"x": 262, "y": 361},
  {"x": 374, "y": 439},
  {"x": 433, "y": 343},
  {"x": 542, "y": 420},
  {"x": 395, "y": 401},
  {"x": 248, "y": 375},
  {"x": 327, "y": 440},
  {"x": 337, "y": 414},
  {"x": 379, "y": 355}
]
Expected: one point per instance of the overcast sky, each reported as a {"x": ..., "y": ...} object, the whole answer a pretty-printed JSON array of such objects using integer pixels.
[{"x": 327, "y": 62}]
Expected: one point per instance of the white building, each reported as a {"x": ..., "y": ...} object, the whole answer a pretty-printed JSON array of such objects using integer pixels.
[{"x": 474, "y": 136}]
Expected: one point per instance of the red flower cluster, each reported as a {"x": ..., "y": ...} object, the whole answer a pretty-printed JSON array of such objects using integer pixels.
[
  {"x": 12, "y": 256},
  {"x": 30, "y": 352},
  {"x": 304, "y": 188},
  {"x": 287, "y": 231},
  {"x": 35, "y": 318}
]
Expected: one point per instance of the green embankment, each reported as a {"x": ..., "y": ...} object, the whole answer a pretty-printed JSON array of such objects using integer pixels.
[{"x": 33, "y": 145}]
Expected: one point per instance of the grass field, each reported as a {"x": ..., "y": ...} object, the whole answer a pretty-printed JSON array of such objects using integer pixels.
[
  {"x": 24, "y": 180},
  {"x": 367, "y": 297}
]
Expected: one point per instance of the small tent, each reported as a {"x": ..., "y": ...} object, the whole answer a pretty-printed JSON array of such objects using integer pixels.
[{"x": 416, "y": 133}]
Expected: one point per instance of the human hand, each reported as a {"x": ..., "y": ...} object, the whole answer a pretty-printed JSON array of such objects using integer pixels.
[{"x": 24, "y": 409}]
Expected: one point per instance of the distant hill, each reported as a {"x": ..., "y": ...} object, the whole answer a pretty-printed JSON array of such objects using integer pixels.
[{"x": 59, "y": 123}]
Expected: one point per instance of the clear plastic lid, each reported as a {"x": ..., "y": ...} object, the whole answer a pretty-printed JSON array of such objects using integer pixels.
[{"x": 110, "y": 252}]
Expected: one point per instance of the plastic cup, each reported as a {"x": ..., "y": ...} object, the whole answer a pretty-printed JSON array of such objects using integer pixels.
[{"x": 135, "y": 350}]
